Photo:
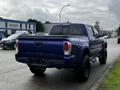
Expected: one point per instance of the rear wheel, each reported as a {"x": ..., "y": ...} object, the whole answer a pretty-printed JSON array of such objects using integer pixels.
[
  {"x": 118, "y": 41},
  {"x": 6, "y": 47},
  {"x": 37, "y": 70},
  {"x": 3, "y": 47},
  {"x": 83, "y": 70},
  {"x": 103, "y": 57}
]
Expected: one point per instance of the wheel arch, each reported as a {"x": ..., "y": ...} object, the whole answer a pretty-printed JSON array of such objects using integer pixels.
[{"x": 86, "y": 51}]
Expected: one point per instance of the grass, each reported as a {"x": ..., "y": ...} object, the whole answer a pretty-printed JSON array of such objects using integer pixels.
[{"x": 112, "y": 79}]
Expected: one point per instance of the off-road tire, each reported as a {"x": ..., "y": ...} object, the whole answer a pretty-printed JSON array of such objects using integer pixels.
[
  {"x": 83, "y": 70},
  {"x": 103, "y": 58},
  {"x": 118, "y": 41}
]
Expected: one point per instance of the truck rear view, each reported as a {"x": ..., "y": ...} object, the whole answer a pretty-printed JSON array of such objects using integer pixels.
[{"x": 62, "y": 48}]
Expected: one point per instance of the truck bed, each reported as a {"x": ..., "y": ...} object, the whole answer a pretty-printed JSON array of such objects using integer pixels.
[{"x": 42, "y": 46}]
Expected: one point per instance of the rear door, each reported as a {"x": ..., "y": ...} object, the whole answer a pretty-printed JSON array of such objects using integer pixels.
[
  {"x": 94, "y": 41},
  {"x": 99, "y": 41}
]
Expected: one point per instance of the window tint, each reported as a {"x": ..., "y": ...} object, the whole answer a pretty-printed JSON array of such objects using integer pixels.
[
  {"x": 68, "y": 30},
  {"x": 56, "y": 30}
]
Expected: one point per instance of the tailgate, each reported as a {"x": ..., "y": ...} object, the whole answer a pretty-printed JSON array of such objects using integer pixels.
[{"x": 49, "y": 47}]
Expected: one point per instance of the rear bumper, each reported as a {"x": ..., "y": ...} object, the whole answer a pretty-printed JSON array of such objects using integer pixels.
[{"x": 68, "y": 61}]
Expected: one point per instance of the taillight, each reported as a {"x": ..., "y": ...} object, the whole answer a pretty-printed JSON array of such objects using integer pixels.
[{"x": 67, "y": 48}]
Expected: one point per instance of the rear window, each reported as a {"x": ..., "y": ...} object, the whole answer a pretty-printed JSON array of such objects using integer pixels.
[{"x": 68, "y": 30}]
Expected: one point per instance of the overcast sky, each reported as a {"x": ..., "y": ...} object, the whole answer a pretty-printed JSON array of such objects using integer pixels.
[{"x": 80, "y": 11}]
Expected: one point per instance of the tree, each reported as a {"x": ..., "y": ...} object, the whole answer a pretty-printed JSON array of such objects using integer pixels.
[{"x": 39, "y": 25}]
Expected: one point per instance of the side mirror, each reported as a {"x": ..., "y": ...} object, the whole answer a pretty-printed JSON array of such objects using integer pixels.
[
  {"x": 101, "y": 35},
  {"x": 97, "y": 35}
]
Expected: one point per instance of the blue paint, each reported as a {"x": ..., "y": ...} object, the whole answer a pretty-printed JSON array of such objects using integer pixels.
[{"x": 51, "y": 48}]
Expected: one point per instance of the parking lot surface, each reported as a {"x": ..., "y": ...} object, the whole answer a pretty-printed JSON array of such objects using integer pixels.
[{"x": 16, "y": 76}]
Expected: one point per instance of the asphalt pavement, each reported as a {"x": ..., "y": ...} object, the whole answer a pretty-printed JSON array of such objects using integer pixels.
[{"x": 16, "y": 76}]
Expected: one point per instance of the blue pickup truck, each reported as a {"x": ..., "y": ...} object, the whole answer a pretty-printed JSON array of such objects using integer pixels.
[{"x": 70, "y": 46}]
